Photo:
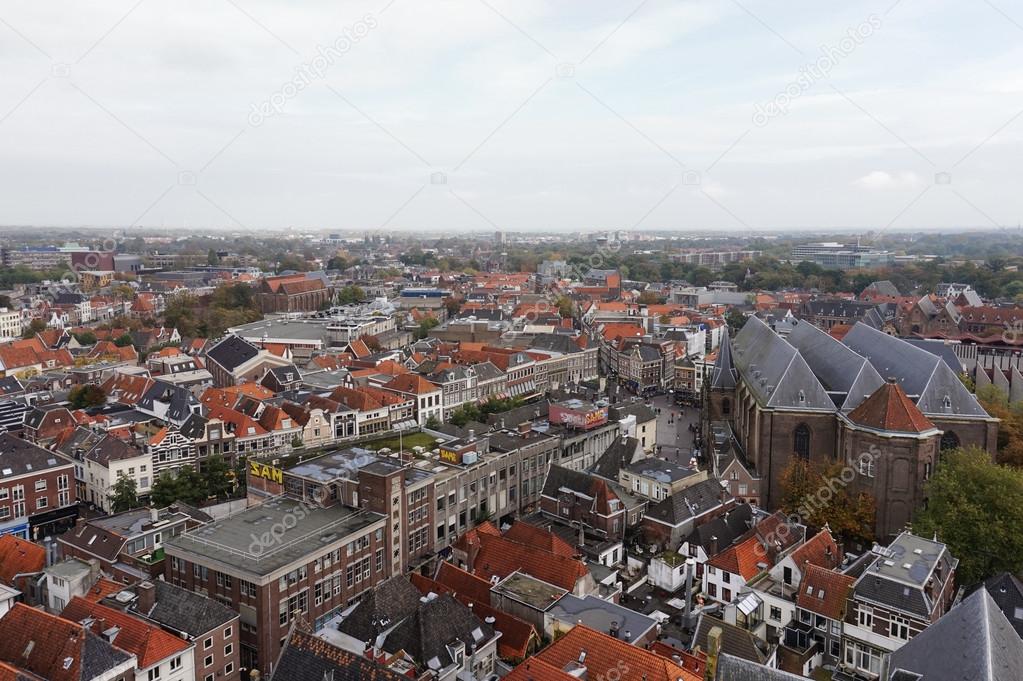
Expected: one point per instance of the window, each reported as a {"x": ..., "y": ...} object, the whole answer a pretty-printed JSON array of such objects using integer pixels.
[
  {"x": 801, "y": 441},
  {"x": 228, "y": 649},
  {"x": 867, "y": 465},
  {"x": 899, "y": 628},
  {"x": 227, "y": 632},
  {"x": 42, "y": 502},
  {"x": 40, "y": 485},
  {"x": 207, "y": 661},
  {"x": 154, "y": 674},
  {"x": 175, "y": 664},
  {"x": 776, "y": 613},
  {"x": 228, "y": 668},
  {"x": 208, "y": 643},
  {"x": 865, "y": 617}
]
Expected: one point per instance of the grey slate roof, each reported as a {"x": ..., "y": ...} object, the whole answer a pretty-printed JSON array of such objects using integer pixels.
[
  {"x": 726, "y": 529},
  {"x": 170, "y": 402},
  {"x": 19, "y": 457},
  {"x": 688, "y": 503},
  {"x": 381, "y": 608},
  {"x": 849, "y": 377},
  {"x": 884, "y": 288},
  {"x": 184, "y": 610},
  {"x": 897, "y": 578},
  {"x": 638, "y": 409},
  {"x": 555, "y": 342},
  {"x": 618, "y": 455},
  {"x": 734, "y": 640},
  {"x": 1007, "y": 592},
  {"x": 232, "y": 352},
  {"x": 110, "y": 449},
  {"x": 724, "y": 374},
  {"x": 435, "y": 625},
  {"x": 972, "y": 641},
  {"x": 924, "y": 376},
  {"x": 306, "y": 657},
  {"x": 775, "y": 372},
  {"x": 98, "y": 656},
  {"x": 731, "y": 668}
]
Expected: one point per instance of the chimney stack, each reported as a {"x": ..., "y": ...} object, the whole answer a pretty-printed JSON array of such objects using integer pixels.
[
  {"x": 146, "y": 591},
  {"x": 713, "y": 651}
]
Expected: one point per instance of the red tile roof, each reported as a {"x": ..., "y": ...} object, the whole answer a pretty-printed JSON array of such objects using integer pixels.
[
  {"x": 821, "y": 550},
  {"x": 148, "y": 643},
  {"x": 824, "y": 592},
  {"x": 462, "y": 582},
  {"x": 890, "y": 409},
  {"x": 19, "y": 556},
  {"x": 500, "y": 557},
  {"x": 42, "y": 643},
  {"x": 540, "y": 538},
  {"x": 101, "y": 589},
  {"x": 604, "y": 653},
  {"x": 411, "y": 384},
  {"x": 742, "y": 558}
]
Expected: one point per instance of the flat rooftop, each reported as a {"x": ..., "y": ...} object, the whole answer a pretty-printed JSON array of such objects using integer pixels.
[
  {"x": 258, "y": 540},
  {"x": 596, "y": 613},
  {"x": 909, "y": 559},
  {"x": 534, "y": 592},
  {"x": 660, "y": 470}
]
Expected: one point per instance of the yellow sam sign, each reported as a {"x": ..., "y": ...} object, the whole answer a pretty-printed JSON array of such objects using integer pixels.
[{"x": 263, "y": 471}]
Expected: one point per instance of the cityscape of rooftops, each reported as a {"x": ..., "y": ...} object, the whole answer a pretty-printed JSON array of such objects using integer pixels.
[{"x": 486, "y": 341}]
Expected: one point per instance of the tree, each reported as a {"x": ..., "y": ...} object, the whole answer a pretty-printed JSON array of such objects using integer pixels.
[
  {"x": 973, "y": 507},
  {"x": 735, "y": 319},
  {"x": 349, "y": 295},
  {"x": 371, "y": 342},
  {"x": 34, "y": 327},
  {"x": 166, "y": 490},
  {"x": 85, "y": 396},
  {"x": 218, "y": 477},
  {"x": 123, "y": 341},
  {"x": 818, "y": 496},
  {"x": 432, "y": 422},
  {"x": 212, "y": 258},
  {"x": 566, "y": 307},
  {"x": 124, "y": 494},
  {"x": 424, "y": 327},
  {"x": 648, "y": 298},
  {"x": 85, "y": 337}
]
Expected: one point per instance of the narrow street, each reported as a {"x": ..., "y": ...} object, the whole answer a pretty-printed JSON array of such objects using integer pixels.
[{"x": 673, "y": 435}]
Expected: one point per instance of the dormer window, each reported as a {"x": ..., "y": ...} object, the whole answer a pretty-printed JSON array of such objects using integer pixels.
[
  {"x": 802, "y": 397},
  {"x": 946, "y": 402}
]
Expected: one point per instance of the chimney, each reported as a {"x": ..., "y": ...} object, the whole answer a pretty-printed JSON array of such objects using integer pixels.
[
  {"x": 713, "y": 546},
  {"x": 713, "y": 651},
  {"x": 525, "y": 427},
  {"x": 613, "y": 631},
  {"x": 472, "y": 435},
  {"x": 146, "y": 591},
  {"x": 154, "y": 515}
]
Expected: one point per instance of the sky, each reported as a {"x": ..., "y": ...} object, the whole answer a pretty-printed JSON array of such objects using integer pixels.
[{"x": 469, "y": 115}]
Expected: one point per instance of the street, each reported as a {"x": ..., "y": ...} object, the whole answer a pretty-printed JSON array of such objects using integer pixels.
[{"x": 673, "y": 436}]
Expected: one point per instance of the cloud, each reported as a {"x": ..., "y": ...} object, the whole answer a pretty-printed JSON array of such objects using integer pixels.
[{"x": 880, "y": 180}]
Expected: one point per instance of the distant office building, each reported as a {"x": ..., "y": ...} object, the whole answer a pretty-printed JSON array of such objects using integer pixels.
[{"x": 832, "y": 254}]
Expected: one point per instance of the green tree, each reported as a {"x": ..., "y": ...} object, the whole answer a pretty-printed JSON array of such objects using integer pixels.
[
  {"x": 85, "y": 396},
  {"x": 432, "y": 422},
  {"x": 424, "y": 327},
  {"x": 218, "y": 477},
  {"x": 973, "y": 506},
  {"x": 34, "y": 327},
  {"x": 349, "y": 295},
  {"x": 735, "y": 320},
  {"x": 85, "y": 337},
  {"x": 212, "y": 258},
  {"x": 166, "y": 490},
  {"x": 124, "y": 494},
  {"x": 123, "y": 340}
]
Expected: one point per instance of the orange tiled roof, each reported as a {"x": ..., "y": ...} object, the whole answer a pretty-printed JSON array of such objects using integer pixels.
[
  {"x": 604, "y": 653},
  {"x": 621, "y": 330},
  {"x": 540, "y": 538},
  {"x": 149, "y": 643},
  {"x": 53, "y": 641},
  {"x": 890, "y": 409},
  {"x": 500, "y": 557},
  {"x": 742, "y": 558},
  {"x": 101, "y": 589},
  {"x": 410, "y": 384},
  {"x": 824, "y": 592},
  {"x": 821, "y": 549},
  {"x": 19, "y": 556},
  {"x": 253, "y": 390}
]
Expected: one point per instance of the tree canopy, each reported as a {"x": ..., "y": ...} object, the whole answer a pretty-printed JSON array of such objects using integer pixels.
[{"x": 973, "y": 506}]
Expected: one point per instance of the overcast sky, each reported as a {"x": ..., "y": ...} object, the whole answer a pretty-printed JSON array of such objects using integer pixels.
[{"x": 486, "y": 114}]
